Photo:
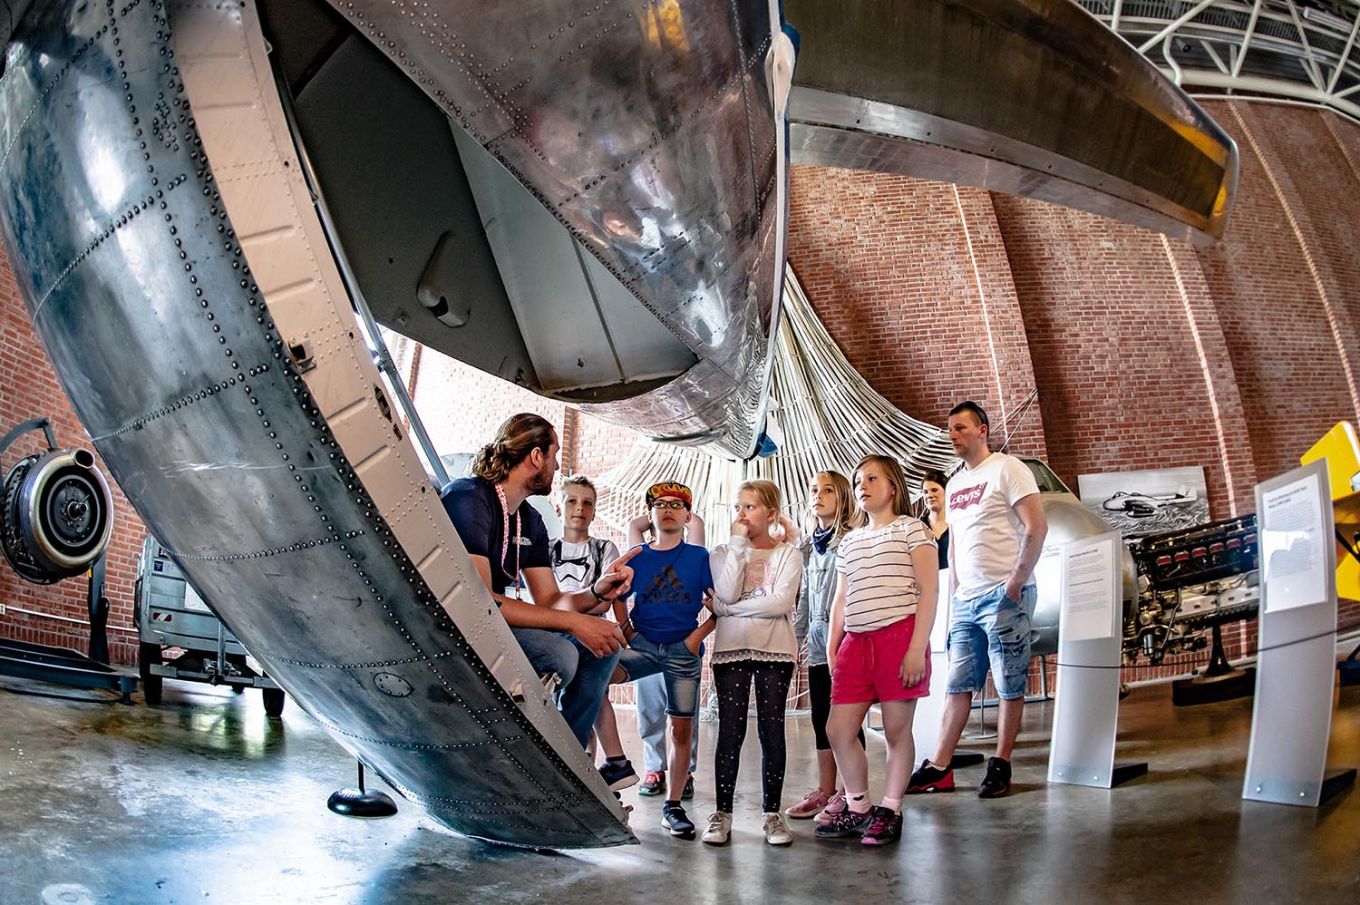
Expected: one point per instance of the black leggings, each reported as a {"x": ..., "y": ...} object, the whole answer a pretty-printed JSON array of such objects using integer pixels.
[
  {"x": 733, "y": 681},
  {"x": 819, "y": 690}
]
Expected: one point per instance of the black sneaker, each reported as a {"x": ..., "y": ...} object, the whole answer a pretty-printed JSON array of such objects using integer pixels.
[
  {"x": 845, "y": 823},
  {"x": 997, "y": 782},
  {"x": 673, "y": 818},
  {"x": 619, "y": 775},
  {"x": 884, "y": 828},
  {"x": 687, "y": 793},
  {"x": 930, "y": 778}
]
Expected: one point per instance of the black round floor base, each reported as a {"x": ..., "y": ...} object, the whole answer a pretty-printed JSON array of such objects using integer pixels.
[{"x": 354, "y": 802}]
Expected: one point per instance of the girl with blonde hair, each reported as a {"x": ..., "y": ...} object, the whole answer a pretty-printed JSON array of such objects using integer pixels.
[
  {"x": 830, "y": 516},
  {"x": 879, "y": 643},
  {"x": 756, "y": 577}
]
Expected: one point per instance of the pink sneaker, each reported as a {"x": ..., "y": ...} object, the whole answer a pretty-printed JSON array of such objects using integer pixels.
[
  {"x": 812, "y": 803},
  {"x": 834, "y": 806}
]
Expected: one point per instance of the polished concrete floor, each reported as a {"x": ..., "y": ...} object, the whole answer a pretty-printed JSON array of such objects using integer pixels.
[{"x": 206, "y": 800}]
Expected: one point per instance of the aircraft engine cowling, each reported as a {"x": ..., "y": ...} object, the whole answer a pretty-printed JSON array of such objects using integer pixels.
[{"x": 57, "y": 516}]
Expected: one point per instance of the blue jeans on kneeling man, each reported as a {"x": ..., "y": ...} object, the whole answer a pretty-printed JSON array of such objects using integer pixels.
[{"x": 585, "y": 677}]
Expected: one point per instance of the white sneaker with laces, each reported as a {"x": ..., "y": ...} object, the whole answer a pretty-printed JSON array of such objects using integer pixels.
[
  {"x": 776, "y": 831},
  {"x": 719, "y": 828}
]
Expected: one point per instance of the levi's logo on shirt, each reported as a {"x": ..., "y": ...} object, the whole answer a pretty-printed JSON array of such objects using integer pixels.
[{"x": 967, "y": 496}]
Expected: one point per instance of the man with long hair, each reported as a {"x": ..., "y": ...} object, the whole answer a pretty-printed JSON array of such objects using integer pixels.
[{"x": 508, "y": 544}]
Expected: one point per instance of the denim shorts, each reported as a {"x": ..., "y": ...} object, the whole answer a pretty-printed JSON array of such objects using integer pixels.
[
  {"x": 679, "y": 668},
  {"x": 990, "y": 630}
]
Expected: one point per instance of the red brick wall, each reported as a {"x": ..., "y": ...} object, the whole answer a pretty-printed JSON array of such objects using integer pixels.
[
  {"x": 462, "y": 407},
  {"x": 57, "y": 614},
  {"x": 1283, "y": 264},
  {"x": 1146, "y": 353},
  {"x": 1114, "y": 354},
  {"x": 898, "y": 270}
]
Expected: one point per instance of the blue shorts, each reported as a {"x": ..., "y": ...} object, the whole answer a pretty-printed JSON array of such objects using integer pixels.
[
  {"x": 990, "y": 630},
  {"x": 679, "y": 667}
]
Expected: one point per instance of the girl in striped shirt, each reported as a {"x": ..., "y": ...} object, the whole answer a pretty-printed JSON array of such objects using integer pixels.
[{"x": 880, "y": 628}]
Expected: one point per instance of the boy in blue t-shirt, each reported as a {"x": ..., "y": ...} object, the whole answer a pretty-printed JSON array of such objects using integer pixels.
[{"x": 670, "y": 578}]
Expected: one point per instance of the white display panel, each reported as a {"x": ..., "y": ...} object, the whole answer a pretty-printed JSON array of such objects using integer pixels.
[
  {"x": 1086, "y": 712},
  {"x": 1296, "y": 659}
]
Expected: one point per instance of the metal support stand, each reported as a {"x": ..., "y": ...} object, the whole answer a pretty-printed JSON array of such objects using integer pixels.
[
  {"x": 1350, "y": 668},
  {"x": 64, "y": 666},
  {"x": 1127, "y": 770},
  {"x": 98, "y": 606},
  {"x": 982, "y": 733},
  {"x": 358, "y": 802},
  {"x": 1218, "y": 682}
]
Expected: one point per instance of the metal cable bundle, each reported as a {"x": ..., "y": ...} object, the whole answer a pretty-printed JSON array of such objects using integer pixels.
[{"x": 828, "y": 415}]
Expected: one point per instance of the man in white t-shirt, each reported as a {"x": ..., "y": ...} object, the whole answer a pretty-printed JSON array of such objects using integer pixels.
[{"x": 996, "y": 535}]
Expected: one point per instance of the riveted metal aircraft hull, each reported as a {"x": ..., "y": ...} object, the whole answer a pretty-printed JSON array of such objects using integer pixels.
[{"x": 174, "y": 266}]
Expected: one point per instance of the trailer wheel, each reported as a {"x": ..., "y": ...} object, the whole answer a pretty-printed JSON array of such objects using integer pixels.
[
  {"x": 149, "y": 655},
  {"x": 273, "y": 701}
]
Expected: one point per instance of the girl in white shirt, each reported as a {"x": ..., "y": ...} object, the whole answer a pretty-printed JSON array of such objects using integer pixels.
[
  {"x": 880, "y": 630},
  {"x": 756, "y": 578}
]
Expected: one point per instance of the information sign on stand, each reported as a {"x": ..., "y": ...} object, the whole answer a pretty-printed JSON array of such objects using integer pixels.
[
  {"x": 1296, "y": 657},
  {"x": 1086, "y": 712}
]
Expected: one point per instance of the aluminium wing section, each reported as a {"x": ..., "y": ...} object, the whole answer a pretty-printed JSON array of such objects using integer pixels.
[{"x": 1026, "y": 97}]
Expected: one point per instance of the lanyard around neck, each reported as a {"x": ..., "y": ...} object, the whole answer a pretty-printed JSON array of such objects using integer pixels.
[{"x": 505, "y": 536}]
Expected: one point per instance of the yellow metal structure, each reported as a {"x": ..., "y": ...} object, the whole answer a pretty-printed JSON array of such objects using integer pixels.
[{"x": 1341, "y": 450}]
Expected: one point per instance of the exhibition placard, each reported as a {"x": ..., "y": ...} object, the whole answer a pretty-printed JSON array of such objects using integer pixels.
[
  {"x": 1090, "y": 582},
  {"x": 1294, "y": 542}
]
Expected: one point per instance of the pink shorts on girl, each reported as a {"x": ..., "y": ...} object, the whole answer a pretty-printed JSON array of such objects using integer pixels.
[{"x": 869, "y": 666}]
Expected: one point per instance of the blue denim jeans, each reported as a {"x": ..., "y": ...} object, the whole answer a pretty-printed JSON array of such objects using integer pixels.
[
  {"x": 585, "y": 677},
  {"x": 677, "y": 666},
  {"x": 990, "y": 629},
  {"x": 650, "y": 695}
]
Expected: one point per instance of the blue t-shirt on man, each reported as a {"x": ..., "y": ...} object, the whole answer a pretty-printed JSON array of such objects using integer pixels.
[
  {"x": 668, "y": 589},
  {"x": 475, "y": 508}
]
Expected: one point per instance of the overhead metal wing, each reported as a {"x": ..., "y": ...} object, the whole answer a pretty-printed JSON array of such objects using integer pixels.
[{"x": 1026, "y": 97}]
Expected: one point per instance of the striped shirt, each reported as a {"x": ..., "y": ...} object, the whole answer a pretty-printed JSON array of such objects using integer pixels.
[{"x": 881, "y": 581}]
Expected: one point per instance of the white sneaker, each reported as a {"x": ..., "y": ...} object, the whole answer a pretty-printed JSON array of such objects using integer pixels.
[
  {"x": 719, "y": 828},
  {"x": 776, "y": 831}
]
